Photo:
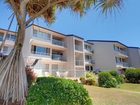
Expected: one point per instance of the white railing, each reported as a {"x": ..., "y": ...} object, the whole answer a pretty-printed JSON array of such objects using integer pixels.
[
  {"x": 90, "y": 50},
  {"x": 58, "y": 42},
  {"x": 57, "y": 57},
  {"x": 40, "y": 53},
  {"x": 125, "y": 64},
  {"x": 90, "y": 61},
  {"x": 122, "y": 64},
  {"x": 78, "y": 47},
  {"x": 121, "y": 51},
  {"x": 11, "y": 39},
  {"x": 79, "y": 62},
  {"x": 40, "y": 37}
]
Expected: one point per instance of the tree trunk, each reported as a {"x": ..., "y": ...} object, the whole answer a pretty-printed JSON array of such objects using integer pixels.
[{"x": 13, "y": 80}]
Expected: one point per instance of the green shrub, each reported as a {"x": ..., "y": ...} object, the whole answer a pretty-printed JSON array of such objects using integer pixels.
[
  {"x": 83, "y": 80},
  {"x": 119, "y": 78},
  {"x": 89, "y": 80},
  {"x": 89, "y": 75},
  {"x": 114, "y": 73},
  {"x": 56, "y": 91},
  {"x": 107, "y": 80},
  {"x": 133, "y": 75}
]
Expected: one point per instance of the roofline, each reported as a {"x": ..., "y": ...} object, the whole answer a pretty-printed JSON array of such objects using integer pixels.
[
  {"x": 7, "y": 30},
  {"x": 75, "y": 36},
  {"x": 134, "y": 47},
  {"x": 54, "y": 31},
  {"x": 45, "y": 29},
  {"x": 108, "y": 41},
  {"x": 88, "y": 42}
]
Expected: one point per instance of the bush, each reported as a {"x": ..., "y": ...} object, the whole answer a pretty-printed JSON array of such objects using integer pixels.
[
  {"x": 56, "y": 91},
  {"x": 89, "y": 80},
  {"x": 133, "y": 75},
  {"x": 107, "y": 80},
  {"x": 114, "y": 73},
  {"x": 83, "y": 80},
  {"x": 119, "y": 78}
]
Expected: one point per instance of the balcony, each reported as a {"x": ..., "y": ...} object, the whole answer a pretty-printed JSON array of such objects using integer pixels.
[
  {"x": 58, "y": 42},
  {"x": 41, "y": 53},
  {"x": 43, "y": 37},
  {"x": 78, "y": 47},
  {"x": 58, "y": 57},
  {"x": 79, "y": 63},
  {"x": 122, "y": 64},
  {"x": 90, "y": 61},
  {"x": 121, "y": 52}
]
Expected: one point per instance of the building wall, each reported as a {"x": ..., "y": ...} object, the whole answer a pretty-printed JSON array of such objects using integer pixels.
[
  {"x": 104, "y": 56},
  {"x": 134, "y": 57}
]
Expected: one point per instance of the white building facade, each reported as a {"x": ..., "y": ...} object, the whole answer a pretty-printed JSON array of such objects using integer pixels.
[{"x": 69, "y": 54}]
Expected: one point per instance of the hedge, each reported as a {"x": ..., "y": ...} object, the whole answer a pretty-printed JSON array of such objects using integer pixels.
[
  {"x": 56, "y": 91},
  {"x": 106, "y": 80},
  {"x": 117, "y": 76},
  {"x": 133, "y": 75}
]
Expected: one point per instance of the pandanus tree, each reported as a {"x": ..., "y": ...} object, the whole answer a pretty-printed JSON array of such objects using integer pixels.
[{"x": 13, "y": 82}]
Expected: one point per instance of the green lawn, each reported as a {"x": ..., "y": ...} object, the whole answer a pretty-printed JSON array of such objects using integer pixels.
[
  {"x": 130, "y": 87},
  {"x": 114, "y": 96}
]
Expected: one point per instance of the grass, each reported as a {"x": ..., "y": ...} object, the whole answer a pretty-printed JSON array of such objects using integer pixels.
[
  {"x": 130, "y": 87},
  {"x": 114, "y": 96}
]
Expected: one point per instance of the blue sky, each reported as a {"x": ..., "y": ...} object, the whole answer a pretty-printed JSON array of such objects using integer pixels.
[{"x": 124, "y": 26}]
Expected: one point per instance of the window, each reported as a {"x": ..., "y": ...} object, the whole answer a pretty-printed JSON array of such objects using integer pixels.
[
  {"x": 5, "y": 49},
  {"x": 89, "y": 68},
  {"x": 11, "y": 37},
  {"x": 40, "y": 50},
  {"x": 34, "y": 32},
  {"x": 1, "y": 36}
]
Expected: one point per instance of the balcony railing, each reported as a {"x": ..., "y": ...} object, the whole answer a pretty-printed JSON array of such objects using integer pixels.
[
  {"x": 78, "y": 47},
  {"x": 79, "y": 62},
  {"x": 122, "y": 51},
  {"x": 40, "y": 37},
  {"x": 90, "y": 61},
  {"x": 57, "y": 57},
  {"x": 58, "y": 42},
  {"x": 40, "y": 53},
  {"x": 124, "y": 64}
]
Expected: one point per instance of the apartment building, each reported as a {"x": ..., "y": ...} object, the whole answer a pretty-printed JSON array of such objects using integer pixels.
[
  {"x": 110, "y": 55},
  {"x": 134, "y": 56},
  {"x": 9, "y": 42},
  {"x": 57, "y": 52},
  {"x": 70, "y": 55}
]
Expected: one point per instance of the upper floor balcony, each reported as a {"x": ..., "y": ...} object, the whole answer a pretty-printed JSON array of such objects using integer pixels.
[
  {"x": 88, "y": 48},
  {"x": 78, "y": 45},
  {"x": 42, "y": 36},
  {"x": 79, "y": 62},
  {"x": 121, "y": 50},
  {"x": 89, "y": 61},
  {"x": 78, "y": 48},
  {"x": 58, "y": 57},
  {"x": 122, "y": 64},
  {"x": 58, "y": 42},
  {"x": 1, "y": 37}
]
